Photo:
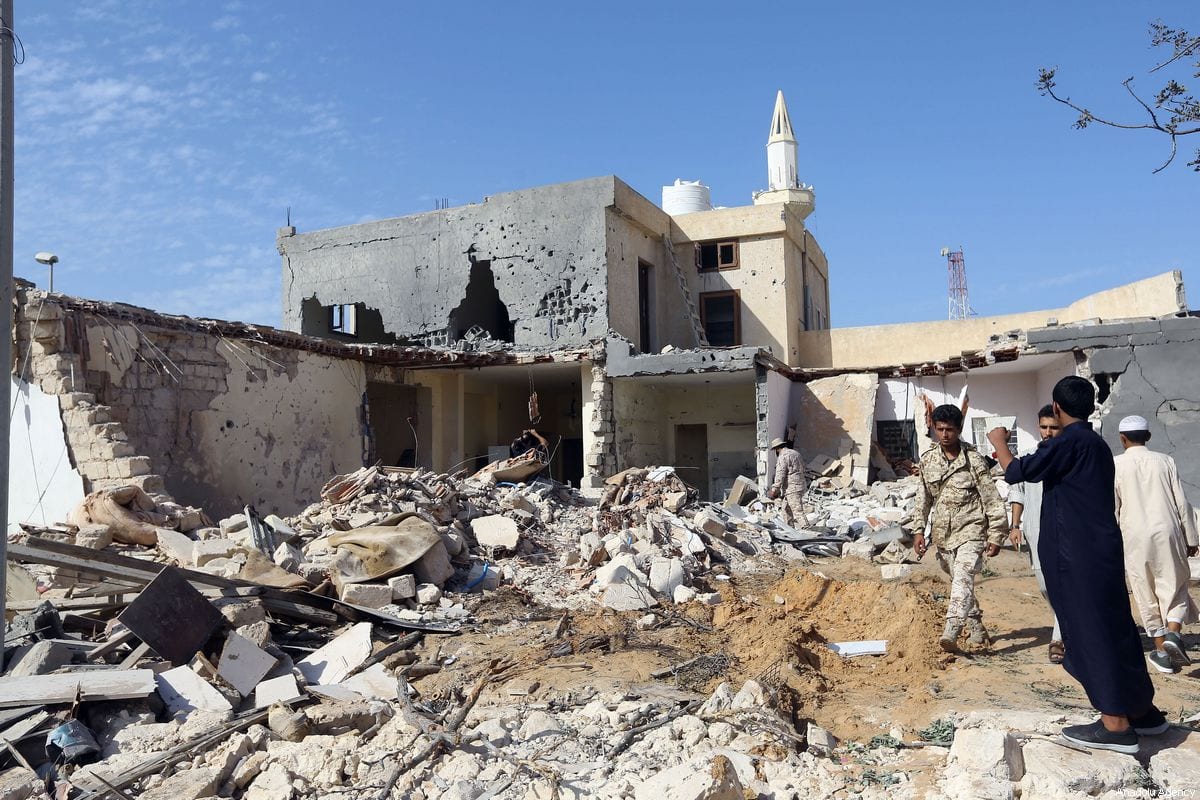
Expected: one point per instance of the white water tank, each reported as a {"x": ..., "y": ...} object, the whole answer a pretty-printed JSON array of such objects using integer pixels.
[{"x": 686, "y": 197}]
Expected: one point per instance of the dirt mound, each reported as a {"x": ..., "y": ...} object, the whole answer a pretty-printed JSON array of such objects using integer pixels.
[{"x": 786, "y": 642}]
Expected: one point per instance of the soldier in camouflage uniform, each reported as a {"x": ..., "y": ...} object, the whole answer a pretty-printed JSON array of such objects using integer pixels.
[
  {"x": 966, "y": 518},
  {"x": 789, "y": 482}
]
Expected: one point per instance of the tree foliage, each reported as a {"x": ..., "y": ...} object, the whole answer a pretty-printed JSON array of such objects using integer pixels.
[{"x": 1173, "y": 111}]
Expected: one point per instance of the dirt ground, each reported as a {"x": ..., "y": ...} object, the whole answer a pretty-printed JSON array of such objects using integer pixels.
[{"x": 773, "y": 626}]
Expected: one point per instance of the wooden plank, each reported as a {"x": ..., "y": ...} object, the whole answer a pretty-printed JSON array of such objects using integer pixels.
[
  {"x": 172, "y": 617},
  {"x": 286, "y": 602},
  {"x": 64, "y": 603},
  {"x": 61, "y": 688},
  {"x": 111, "y": 645},
  {"x": 138, "y": 653}
]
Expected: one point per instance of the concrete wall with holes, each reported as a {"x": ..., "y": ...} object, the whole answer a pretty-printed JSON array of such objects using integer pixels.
[
  {"x": 1149, "y": 367},
  {"x": 545, "y": 251},
  {"x": 227, "y": 423}
]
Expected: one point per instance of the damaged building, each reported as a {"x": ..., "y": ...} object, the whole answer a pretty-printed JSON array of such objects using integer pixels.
[{"x": 628, "y": 334}]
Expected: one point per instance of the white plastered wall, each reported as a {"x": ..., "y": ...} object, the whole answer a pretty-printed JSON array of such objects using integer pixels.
[{"x": 43, "y": 486}]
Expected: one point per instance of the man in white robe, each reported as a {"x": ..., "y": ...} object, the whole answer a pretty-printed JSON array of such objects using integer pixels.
[{"x": 1159, "y": 533}]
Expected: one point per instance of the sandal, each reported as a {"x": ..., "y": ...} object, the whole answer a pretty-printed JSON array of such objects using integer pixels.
[{"x": 1057, "y": 652}]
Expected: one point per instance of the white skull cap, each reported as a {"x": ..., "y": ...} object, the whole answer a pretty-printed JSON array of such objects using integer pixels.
[{"x": 1133, "y": 423}]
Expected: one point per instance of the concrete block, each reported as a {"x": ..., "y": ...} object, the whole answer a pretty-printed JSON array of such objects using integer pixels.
[
  {"x": 276, "y": 690},
  {"x": 243, "y": 663},
  {"x": 1055, "y": 771},
  {"x": 621, "y": 569},
  {"x": 129, "y": 467},
  {"x": 211, "y": 549},
  {"x": 1176, "y": 768},
  {"x": 742, "y": 492},
  {"x": 862, "y": 548},
  {"x": 482, "y": 578},
  {"x": 177, "y": 546},
  {"x": 820, "y": 740},
  {"x": 983, "y": 763},
  {"x": 404, "y": 587},
  {"x": 39, "y": 658},
  {"x": 666, "y": 575},
  {"x": 333, "y": 662},
  {"x": 428, "y": 594},
  {"x": 709, "y": 598},
  {"x": 627, "y": 597},
  {"x": 232, "y": 524},
  {"x": 674, "y": 501},
  {"x": 370, "y": 595},
  {"x": 710, "y": 523},
  {"x": 683, "y": 594},
  {"x": 182, "y": 689},
  {"x": 895, "y": 572},
  {"x": 496, "y": 531},
  {"x": 96, "y": 537},
  {"x": 433, "y": 567}
]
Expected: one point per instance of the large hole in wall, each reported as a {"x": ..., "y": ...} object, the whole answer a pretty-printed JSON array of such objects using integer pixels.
[
  {"x": 481, "y": 306},
  {"x": 351, "y": 322}
]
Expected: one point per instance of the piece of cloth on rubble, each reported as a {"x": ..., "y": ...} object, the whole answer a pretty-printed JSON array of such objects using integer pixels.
[
  {"x": 1083, "y": 561},
  {"x": 961, "y": 564},
  {"x": 126, "y": 510},
  {"x": 1157, "y": 527},
  {"x": 260, "y": 569},
  {"x": 1029, "y": 495},
  {"x": 379, "y": 551},
  {"x": 960, "y": 500}
]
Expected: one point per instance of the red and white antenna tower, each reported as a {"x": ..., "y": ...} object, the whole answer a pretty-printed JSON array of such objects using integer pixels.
[{"x": 956, "y": 271}]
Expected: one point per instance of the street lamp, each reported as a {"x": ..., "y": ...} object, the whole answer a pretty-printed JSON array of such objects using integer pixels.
[{"x": 49, "y": 259}]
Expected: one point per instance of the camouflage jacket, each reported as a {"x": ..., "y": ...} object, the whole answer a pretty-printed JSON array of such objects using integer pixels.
[
  {"x": 960, "y": 500},
  {"x": 789, "y": 472}
]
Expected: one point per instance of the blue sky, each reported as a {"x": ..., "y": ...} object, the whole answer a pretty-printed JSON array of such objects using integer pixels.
[{"x": 158, "y": 144}]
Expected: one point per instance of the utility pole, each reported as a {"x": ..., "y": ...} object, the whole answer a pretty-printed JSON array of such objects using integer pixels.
[{"x": 7, "y": 35}]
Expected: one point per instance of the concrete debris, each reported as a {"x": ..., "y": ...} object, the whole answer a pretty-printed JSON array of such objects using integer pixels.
[{"x": 298, "y": 661}]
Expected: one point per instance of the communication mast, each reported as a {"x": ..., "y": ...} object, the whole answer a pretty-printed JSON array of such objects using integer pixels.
[{"x": 956, "y": 270}]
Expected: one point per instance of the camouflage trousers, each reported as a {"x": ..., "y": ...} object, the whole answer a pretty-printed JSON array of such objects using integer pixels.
[
  {"x": 961, "y": 564},
  {"x": 793, "y": 508}
]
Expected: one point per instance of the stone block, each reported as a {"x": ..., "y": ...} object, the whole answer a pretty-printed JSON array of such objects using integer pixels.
[
  {"x": 820, "y": 740},
  {"x": 370, "y": 595},
  {"x": 860, "y": 549},
  {"x": 496, "y": 531},
  {"x": 742, "y": 492},
  {"x": 95, "y": 537},
  {"x": 232, "y": 524},
  {"x": 683, "y": 594},
  {"x": 433, "y": 567},
  {"x": 621, "y": 569},
  {"x": 709, "y": 598},
  {"x": 896, "y": 572},
  {"x": 132, "y": 466},
  {"x": 1055, "y": 771},
  {"x": 176, "y": 546},
  {"x": 666, "y": 575},
  {"x": 483, "y": 578},
  {"x": 187, "y": 784},
  {"x": 704, "y": 778},
  {"x": 1176, "y": 768},
  {"x": 404, "y": 587},
  {"x": 710, "y": 523},
  {"x": 428, "y": 594},
  {"x": 627, "y": 597},
  {"x": 983, "y": 763},
  {"x": 210, "y": 549},
  {"x": 39, "y": 658}
]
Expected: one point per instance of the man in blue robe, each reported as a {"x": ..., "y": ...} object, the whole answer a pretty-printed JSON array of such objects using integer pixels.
[{"x": 1083, "y": 563}]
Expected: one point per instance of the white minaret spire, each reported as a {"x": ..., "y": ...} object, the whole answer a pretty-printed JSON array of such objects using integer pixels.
[
  {"x": 781, "y": 149},
  {"x": 783, "y": 176}
]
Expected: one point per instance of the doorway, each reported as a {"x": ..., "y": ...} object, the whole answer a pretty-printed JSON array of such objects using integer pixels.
[
  {"x": 645, "y": 307},
  {"x": 399, "y": 419},
  {"x": 691, "y": 456}
]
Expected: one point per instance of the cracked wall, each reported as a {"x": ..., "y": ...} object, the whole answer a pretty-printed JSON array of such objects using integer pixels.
[
  {"x": 214, "y": 422},
  {"x": 1149, "y": 367},
  {"x": 546, "y": 248}
]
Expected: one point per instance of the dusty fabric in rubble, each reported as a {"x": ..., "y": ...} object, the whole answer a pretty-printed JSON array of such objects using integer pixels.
[
  {"x": 378, "y": 551},
  {"x": 259, "y": 569},
  {"x": 127, "y": 510}
]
